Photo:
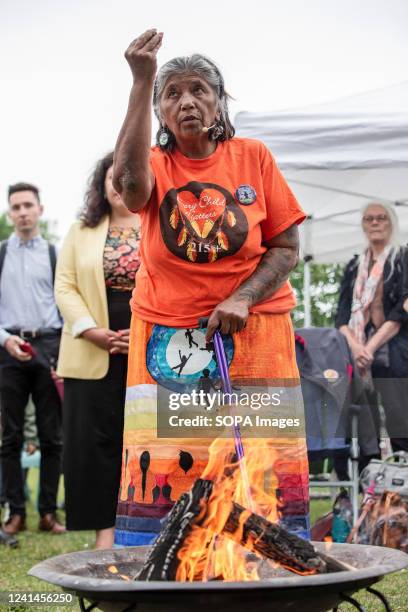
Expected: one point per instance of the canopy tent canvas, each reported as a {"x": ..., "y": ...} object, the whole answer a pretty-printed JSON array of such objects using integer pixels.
[{"x": 337, "y": 157}]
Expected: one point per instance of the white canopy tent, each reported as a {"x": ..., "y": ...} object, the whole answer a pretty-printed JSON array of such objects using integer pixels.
[{"x": 337, "y": 157}]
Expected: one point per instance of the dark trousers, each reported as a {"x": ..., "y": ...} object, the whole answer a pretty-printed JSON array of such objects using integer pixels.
[
  {"x": 17, "y": 381},
  {"x": 394, "y": 398},
  {"x": 93, "y": 434}
]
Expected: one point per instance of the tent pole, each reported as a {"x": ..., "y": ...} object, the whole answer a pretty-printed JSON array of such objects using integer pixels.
[
  {"x": 307, "y": 258},
  {"x": 307, "y": 306}
]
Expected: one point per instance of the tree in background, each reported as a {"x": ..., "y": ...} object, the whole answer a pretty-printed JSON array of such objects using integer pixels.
[
  {"x": 47, "y": 228},
  {"x": 324, "y": 293},
  {"x": 5, "y": 227}
]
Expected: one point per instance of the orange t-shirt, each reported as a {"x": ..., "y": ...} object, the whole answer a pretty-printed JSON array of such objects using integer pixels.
[{"x": 203, "y": 228}]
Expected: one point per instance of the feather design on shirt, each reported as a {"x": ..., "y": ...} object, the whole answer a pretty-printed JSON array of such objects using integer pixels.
[
  {"x": 231, "y": 219},
  {"x": 212, "y": 255},
  {"x": 182, "y": 237},
  {"x": 222, "y": 240},
  {"x": 174, "y": 217},
  {"x": 191, "y": 251}
]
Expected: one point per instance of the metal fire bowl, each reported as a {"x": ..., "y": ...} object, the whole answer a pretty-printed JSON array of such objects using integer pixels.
[{"x": 86, "y": 575}]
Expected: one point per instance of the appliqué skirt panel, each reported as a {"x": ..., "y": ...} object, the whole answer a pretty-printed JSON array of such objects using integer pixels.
[{"x": 156, "y": 471}]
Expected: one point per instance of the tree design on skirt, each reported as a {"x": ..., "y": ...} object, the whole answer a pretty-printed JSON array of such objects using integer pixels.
[{"x": 201, "y": 222}]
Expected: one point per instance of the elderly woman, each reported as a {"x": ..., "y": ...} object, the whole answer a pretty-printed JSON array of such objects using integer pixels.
[
  {"x": 219, "y": 239},
  {"x": 371, "y": 316}
]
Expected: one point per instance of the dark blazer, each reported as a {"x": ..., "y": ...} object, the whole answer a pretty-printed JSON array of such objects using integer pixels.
[{"x": 393, "y": 298}]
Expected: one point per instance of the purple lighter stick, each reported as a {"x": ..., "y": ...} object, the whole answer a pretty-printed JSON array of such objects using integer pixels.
[{"x": 227, "y": 388}]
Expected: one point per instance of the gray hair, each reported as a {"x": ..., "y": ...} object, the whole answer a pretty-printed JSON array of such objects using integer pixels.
[
  {"x": 395, "y": 234},
  {"x": 207, "y": 70},
  {"x": 389, "y": 210}
]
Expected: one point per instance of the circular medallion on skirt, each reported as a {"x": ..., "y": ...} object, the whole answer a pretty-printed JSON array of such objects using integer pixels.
[
  {"x": 202, "y": 223},
  {"x": 179, "y": 358}
]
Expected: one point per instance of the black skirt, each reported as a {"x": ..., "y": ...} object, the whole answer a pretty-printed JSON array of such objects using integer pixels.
[{"x": 93, "y": 430}]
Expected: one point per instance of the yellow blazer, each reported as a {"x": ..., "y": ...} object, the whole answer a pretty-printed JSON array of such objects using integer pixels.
[{"x": 80, "y": 293}]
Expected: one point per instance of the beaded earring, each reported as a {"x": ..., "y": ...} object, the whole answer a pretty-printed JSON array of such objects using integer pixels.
[
  {"x": 164, "y": 137},
  {"x": 217, "y": 131}
]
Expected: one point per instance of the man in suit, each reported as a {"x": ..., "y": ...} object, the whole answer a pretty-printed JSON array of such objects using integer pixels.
[{"x": 30, "y": 330}]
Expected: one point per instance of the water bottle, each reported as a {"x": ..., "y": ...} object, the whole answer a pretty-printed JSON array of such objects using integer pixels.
[{"x": 342, "y": 517}]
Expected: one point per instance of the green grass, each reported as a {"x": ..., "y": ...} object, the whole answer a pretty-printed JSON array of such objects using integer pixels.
[
  {"x": 319, "y": 507},
  {"x": 35, "y": 546}
]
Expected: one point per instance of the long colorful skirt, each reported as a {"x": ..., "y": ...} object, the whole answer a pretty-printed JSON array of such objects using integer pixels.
[{"x": 156, "y": 470}]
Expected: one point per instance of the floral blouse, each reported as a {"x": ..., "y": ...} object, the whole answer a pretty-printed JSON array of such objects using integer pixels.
[{"x": 121, "y": 258}]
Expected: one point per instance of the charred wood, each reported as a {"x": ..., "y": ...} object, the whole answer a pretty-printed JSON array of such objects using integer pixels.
[{"x": 255, "y": 533}]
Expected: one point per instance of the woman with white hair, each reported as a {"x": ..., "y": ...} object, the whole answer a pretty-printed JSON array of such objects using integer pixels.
[{"x": 371, "y": 316}]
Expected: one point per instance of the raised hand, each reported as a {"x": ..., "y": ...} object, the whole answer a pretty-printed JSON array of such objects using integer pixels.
[
  {"x": 132, "y": 176},
  {"x": 141, "y": 55}
]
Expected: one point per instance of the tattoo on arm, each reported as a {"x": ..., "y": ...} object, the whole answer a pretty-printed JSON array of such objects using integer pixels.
[{"x": 273, "y": 269}]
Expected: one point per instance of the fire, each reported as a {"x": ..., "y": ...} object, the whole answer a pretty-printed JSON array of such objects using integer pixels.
[
  {"x": 207, "y": 555},
  {"x": 328, "y": 543}
]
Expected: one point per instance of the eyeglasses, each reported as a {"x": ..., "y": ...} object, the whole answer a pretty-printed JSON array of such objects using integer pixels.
[{"x": 371, "y": 218}]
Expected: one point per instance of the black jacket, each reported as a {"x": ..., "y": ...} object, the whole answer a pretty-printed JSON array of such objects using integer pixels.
[{"x": 393, "y": 298}]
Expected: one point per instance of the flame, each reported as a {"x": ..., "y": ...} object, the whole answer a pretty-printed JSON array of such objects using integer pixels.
[
  {"x": 328, "y": 540},
  {"x": 208, "y": 555}
]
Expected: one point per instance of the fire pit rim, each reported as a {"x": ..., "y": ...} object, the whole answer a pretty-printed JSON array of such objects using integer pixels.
[{"x": 45, "y": 570}]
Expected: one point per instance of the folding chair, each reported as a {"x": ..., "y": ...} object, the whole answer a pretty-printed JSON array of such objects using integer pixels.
[{"x": 326, "y": 372}]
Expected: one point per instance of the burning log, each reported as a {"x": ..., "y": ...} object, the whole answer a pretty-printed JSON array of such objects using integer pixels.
[
  {"x": 273, "y": 542},
  {"x": 163, "y": 561},
  {"x": 250, "y": 530}
]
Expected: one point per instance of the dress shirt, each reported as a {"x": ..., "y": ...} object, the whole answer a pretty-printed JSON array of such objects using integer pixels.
[{"x": 26, "y": 287}]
